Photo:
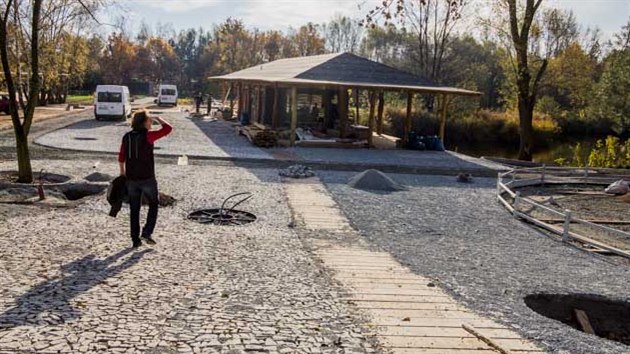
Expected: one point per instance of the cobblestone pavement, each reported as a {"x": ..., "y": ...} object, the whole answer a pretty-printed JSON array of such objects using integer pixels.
[
  {"x": 69, "y": 282},
  {"x": 459, "y": 235}
]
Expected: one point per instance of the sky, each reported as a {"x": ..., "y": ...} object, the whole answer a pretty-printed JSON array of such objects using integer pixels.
[{"x": 608, "y": 15}]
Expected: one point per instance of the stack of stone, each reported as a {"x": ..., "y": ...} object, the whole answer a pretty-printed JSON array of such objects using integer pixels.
[{"x": 297, "y": 171}]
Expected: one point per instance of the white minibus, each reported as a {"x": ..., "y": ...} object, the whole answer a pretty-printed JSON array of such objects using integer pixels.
[
  {"x": 167, "y": 94},
  {"x": 112, "y": 102}
]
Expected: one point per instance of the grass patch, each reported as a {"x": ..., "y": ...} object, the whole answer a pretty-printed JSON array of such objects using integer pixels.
[
  {"x": 184, "y": 101},
  {"x": 80, "y": 99}
]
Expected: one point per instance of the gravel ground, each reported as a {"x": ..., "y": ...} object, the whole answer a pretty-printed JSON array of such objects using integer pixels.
[
  {"x": 69, "y": 282},
  {"x": 194, "y": 137},
  {"x": 459, "y": 235}
]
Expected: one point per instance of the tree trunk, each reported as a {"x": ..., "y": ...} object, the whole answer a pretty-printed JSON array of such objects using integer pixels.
[
  {"x": 526, "y": 130},
  {"x": 25, "y": 171}
]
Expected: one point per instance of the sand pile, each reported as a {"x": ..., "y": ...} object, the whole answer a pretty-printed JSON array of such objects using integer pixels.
[{"x": 374, "y": 180}]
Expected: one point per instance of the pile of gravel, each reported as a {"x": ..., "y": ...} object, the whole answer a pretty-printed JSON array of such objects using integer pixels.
[
  {"x": 297, "y": 171},
  {"x": 98, "y": 177},
  {"x": 374, "y": 180}
]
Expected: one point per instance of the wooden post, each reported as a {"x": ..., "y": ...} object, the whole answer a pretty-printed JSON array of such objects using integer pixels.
[
  {"x": 249, "y": 102},
  {"x": 231, "y": 99},
  {"x": 342, "y": 107},
  {"x": 240, "y": 100},
  {"x": 567, "y": 226},
  {"x": 326, "y": 99},
  {"x": 443, "y": 110},
  {"x": 357, "y": 93},
  {"x": 407, "y": 123},
  {"x": 371, "y": 119},
  {"x": 274, "y": 111},
  {"x": 293, "y": 114},
  {"x": 381, "y": 108},
  {"x": 259, "y": 104}
]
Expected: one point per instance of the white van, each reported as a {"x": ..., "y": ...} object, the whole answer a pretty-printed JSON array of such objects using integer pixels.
[
  {"x": 112, "y": 102},
  {"x": 167, "y": 94}
]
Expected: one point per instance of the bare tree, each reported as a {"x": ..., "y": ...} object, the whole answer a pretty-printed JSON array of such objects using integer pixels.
[
  {"x": 22, "y": 126},
  {"x": 431, "y": 21},
  {"x": 342, "y": 34}
]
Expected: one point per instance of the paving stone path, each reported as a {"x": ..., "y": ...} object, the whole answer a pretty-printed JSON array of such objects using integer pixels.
[
  {"x": 410, "y": 313},
  {"x": 70, "y": 284}
]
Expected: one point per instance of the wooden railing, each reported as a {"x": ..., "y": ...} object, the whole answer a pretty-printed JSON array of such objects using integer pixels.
[{"x": 509, "y": 196}]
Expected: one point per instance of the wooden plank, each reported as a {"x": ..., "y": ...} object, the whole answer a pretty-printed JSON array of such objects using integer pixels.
[
  {"x": 380, "y": 320},
  {"x": 437, "y": 299},
  {"x": 407, "y": 306},
  {"x": 423, "y": 331},
  {"x": 582, "y": 319},
  {"x": 433, "y": 342},
  {"x": 440, "y": 351},
  {"x": 489, "y": 341},
  {"x": 424, "y": 313},
  {"x": 293, "y": 115}
]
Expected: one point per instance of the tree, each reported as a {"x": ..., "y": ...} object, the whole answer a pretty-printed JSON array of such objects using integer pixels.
[
  {"x": 342, "y": 34},
  {"x": 611, "y": 100},
  {"x": 570, "y": 78},
  {"x": 22, "y": 126},
  {"x": 119, "y": 60},
  {"x": 520, "y": 25},
  {"x": 431, "y": 22},
  {"x": 307, "y": 40}
]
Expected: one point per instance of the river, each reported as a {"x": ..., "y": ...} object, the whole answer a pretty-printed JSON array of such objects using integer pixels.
[{"x": 549, "y": 154}]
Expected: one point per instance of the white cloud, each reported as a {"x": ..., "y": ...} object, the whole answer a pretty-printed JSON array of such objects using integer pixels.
[
  {"x": 180, "y": 5},
  {"x": 285, "y": 13}
]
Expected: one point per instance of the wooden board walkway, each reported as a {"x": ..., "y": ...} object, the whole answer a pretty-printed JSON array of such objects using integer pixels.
[{"x": 409, "y": 313}]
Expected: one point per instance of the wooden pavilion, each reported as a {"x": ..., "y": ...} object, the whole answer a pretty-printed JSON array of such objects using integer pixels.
[{"x": 288, "y": 93}]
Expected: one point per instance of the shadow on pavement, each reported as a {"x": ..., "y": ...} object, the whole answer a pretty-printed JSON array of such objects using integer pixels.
[{"x": 48, "y": 303}]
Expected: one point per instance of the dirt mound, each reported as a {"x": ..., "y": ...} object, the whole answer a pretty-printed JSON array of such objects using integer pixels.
[
  {"x": 374, "y": 180},
  {"x": 98, "y": 177}
]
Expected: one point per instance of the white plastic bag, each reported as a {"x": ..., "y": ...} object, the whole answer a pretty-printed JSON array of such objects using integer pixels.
[{"x": 619, "y": 187}]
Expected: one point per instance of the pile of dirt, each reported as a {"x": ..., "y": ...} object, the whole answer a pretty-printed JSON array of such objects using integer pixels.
[
  {"x": 374, "y": 180},
  {"x": 98, "y": 177}
]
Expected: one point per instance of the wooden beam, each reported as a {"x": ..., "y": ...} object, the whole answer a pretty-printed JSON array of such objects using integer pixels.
[
  {"x": 371, "y": 119},
  {"x": 342, "y": 107},
  {"x": 381, "y": 108},
  {"x": 444, "y": 108},
  {"x": 407, "y": 123},
  {"x": 293, "y": 115},
  {"x": 274, "y": 111}
]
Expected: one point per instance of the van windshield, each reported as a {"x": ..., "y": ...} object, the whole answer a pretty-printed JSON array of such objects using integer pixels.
[
  {"x": 110, "y": 97},
  {"x": 168, "y": 92}
]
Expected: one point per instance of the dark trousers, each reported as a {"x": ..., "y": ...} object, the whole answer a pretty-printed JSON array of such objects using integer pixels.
[{"x": 136, "y": 189}]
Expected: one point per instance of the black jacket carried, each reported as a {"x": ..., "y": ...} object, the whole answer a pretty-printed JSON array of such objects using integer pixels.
[{"x": 116, "y": 194}]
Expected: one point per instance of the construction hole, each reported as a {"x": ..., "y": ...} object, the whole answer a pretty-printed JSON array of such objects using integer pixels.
[{"x": 594, "y": 314}]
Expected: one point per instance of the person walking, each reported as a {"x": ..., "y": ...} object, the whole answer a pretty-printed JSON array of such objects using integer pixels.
[
  {"x": 137, "y": 165},
  {"x": 198, "y": 101}
]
